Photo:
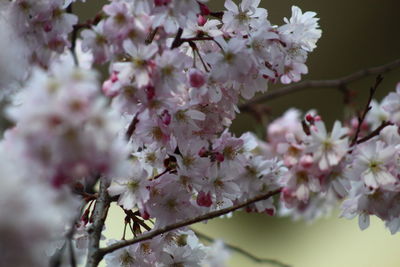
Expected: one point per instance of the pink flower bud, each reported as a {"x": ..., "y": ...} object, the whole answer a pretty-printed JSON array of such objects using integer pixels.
[
  {"x": 196, "y": 78},
  {"x": 108, "y": 89},
  {"x": 108, "y": 86},
  {"x": 219, "y": 157},
  {"x": 201, "y": 20},
  {"x": 204, "y": 10},
  {"x": 203, "y": 199},
  {"x": 310, "y": 118}
]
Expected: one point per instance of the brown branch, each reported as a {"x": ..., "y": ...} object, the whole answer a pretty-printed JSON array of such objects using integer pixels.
[
  {"x": 99, "y": 216},
  {"x": 204, "y": 217},
  {"x": 131, "y": 215},
  {"x": 374, "y": 132},
  {"x": 132, "y": 127},
  {"x": 196, "y": 50},
  {"x": 90, "y": 22},
  {"x": 150, "y": 36},
  {"x": 74, "y": 36},
  {"x": 177, "y": 41},
  {"x": 367, "y": 108},
  {"x": 317, "y": 84},
  {"x": 242, "y": 251},
  {"x": 217, "y": 15},
  {"x": 194, "y": 39}
]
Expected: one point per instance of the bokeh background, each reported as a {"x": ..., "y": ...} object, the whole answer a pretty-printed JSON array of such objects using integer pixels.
[{"x": 356, "y": 34}]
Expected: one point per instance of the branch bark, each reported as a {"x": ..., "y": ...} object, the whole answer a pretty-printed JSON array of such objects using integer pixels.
[
  {"x": 149, "y": 235},
  {"x": 375, "y": 132},
  {"x": 242, "y": 251},
  {"x": 99, "y": 216},
  {"x": 367, "y": 108},
  {"x": 327, "y": 84},
  {"x": 74, "y": 36}
]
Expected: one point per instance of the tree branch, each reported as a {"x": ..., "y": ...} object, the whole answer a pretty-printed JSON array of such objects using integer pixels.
[
  {"x": 132, "y": 127},
  {"x": 367, "y": 108},
  {"x": 99, "y": 216},
  {"x": 204, "y": 217},
  {"x": 242, "y": 251},
  {"x": 74, "y": 36},
  {"x": 374, "y": 132},
  {"x": 177, "y": 41},
  {"x": 328, "y": 84}
]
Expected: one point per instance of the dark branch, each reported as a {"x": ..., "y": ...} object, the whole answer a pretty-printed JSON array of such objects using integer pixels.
[
  {"x": 177, "y": 41},
  {"x": 99, "y": 216},
  {"x": 217, "y": 15},
  {"x": 74, "y": 36},
  {"x": 242, "y": 251},
  {"x": 367, "y": 108},
  {"x": 204, "y": 217},
  {"x": 317, "y": 84},
  {"x": 150, "y": 37},
  {"x": 132, "y": 127},
  {"x": 375, "y": 132}
]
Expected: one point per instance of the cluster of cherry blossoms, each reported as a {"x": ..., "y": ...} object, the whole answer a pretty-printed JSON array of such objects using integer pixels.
[
  {"x": 44, "y": 26},
  {"x": 326, "y": 168},
  {"x": 180, "y": 248},
  {"x": 156, "y": 131}
]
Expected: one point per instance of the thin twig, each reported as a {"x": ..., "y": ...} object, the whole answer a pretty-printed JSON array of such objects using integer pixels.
[
  {"x": 178, "y": 39},
  {"x": 317, "y": 84},
  {"x": 194, "y": 39},
  {"x": 90, "y": 22},
  {"x": 74, "y": 36},
  {"x": 132, "y": 127},
  {"x": 196, "y": 50},
  {"x": 150, "y": 37},
  {"x": 204, "y": 217},
  {"x": 217, "y": 15},
  {"x": 99, "y": 217},
  {"x": 374, "y": 132},
  {"x": 135, "y": 219},
  {"x": 241, "y": 251},
  {"x": 367, "y": 108}
]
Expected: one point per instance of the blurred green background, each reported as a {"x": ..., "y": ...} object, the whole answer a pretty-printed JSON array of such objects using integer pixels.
[{"x": 356, "y": 34}]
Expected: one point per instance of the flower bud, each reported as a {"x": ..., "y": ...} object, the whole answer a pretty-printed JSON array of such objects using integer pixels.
[
  {"x": 196, "y": 78},
  {"x": 203, "y": 199},
  {"x": 201, "y": 20}
]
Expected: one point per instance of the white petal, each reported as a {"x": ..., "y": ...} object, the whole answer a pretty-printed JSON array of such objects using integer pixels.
[{"x": 231, "y": 6}]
